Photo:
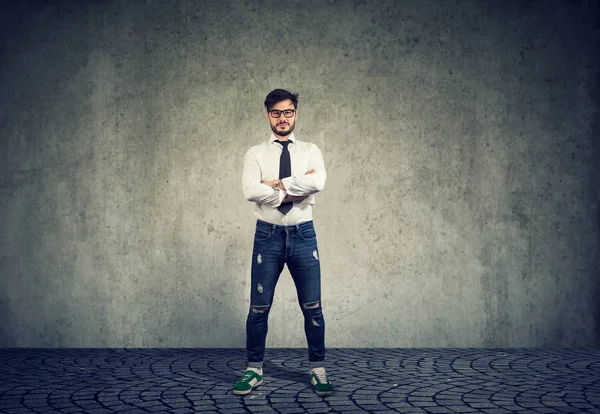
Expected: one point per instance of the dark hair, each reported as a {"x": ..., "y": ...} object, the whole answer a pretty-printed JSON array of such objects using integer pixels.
[{"x": 278, "y": 95}]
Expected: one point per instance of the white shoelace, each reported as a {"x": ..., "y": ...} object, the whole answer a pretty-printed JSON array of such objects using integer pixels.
[{"x": 321, "y": 375}]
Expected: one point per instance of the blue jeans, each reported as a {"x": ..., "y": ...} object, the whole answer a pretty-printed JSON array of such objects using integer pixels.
[{"x": 274, "y": 246}]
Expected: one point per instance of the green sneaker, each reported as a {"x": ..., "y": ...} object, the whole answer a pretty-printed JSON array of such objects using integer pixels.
[
  {"x": 319, "y": 380},
  {"x": 245, "y": 384}
]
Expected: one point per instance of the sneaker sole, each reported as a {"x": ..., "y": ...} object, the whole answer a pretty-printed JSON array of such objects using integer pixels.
[
  {"x": 323, "y": 392},
  {"x": 241, "y": 392}
]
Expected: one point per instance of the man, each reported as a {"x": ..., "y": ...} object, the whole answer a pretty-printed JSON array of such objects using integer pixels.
[{"x": 281, "y": 176}]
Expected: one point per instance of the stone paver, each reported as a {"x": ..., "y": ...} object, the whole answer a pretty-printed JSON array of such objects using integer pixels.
[{"x": 366, "y": 380}]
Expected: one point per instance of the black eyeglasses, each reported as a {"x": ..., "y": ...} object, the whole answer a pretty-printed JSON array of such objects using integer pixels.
[{"x": 288, "y": 113}]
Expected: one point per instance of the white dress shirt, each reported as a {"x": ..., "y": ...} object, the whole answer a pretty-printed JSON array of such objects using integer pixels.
[{"x": 261, "y": 163}]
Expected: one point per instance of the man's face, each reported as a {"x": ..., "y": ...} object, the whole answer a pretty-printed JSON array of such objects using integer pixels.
[{"x": 281, "y": 125}]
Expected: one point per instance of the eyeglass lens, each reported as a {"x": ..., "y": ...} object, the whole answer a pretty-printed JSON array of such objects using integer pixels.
[{"x": 287, "y": 113}]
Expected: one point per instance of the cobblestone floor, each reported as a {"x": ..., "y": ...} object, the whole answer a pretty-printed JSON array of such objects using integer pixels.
[{"x": 366, "y": 380}]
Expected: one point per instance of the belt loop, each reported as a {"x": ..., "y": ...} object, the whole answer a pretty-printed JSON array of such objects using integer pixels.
[
  {"x": 298, "y": 228},
  {"x": 274, "y": 228}
]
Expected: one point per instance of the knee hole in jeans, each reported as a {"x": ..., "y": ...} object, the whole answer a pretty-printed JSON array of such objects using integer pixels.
[{"x": 259, "y": 309}]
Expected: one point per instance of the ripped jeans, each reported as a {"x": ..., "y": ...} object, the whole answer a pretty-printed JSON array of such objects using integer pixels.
[{"x": 274, "y": 246}]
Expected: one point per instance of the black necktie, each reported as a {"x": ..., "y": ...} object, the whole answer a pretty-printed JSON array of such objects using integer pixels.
[{"x": 285, "y": 170}]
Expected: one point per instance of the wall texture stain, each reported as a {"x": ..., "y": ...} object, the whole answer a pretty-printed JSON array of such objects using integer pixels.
[{"x": 461, "y": 207}]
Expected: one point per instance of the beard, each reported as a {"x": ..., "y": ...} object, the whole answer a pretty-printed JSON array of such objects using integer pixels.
[{"x": 283, "y": 133}]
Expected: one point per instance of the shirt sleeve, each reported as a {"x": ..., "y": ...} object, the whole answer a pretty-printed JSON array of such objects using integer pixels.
[
  {"x": 253, "y": 189},
  {"x": 309, "y": 183}
]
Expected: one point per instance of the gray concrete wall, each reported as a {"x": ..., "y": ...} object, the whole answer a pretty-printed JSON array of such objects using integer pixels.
[{"x": 461, "y": 207}]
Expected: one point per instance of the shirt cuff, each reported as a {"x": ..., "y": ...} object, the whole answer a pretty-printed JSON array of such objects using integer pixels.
[
  {"x": 282, "y": 195},
  {"x": 289, "y": 181}
]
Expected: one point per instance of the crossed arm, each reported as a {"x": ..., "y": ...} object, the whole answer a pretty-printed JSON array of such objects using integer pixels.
[
  {"x": 280, "y": 185},
  {"x": 276, "y": 192}
]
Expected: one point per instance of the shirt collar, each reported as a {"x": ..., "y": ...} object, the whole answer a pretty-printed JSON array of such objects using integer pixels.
[{"x": 273, "y": 138}]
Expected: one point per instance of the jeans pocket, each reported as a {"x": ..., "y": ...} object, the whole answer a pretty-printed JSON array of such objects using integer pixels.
[
  {"x": 262, "y": 233},
  {"x": 307, "y": 233}
]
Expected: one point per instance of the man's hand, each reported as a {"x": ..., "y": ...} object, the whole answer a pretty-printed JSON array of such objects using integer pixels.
[
  {"x": 270, "y": 183},
  {"x": 288, "y": 198}
]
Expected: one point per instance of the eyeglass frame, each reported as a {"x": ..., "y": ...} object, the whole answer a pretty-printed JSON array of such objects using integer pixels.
[{"x": 270, "y": 111}]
